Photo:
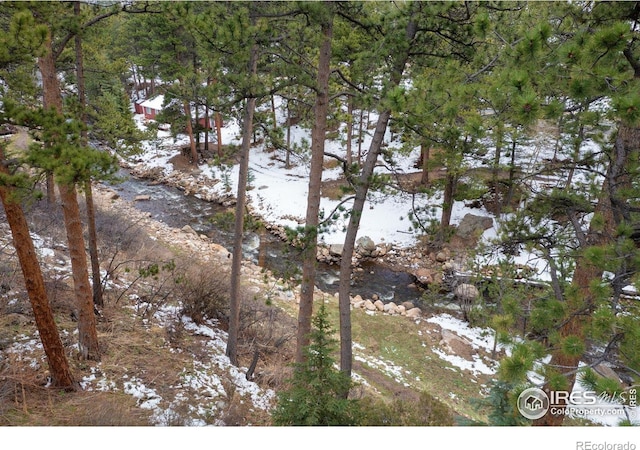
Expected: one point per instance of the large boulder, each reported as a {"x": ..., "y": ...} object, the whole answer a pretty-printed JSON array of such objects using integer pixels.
[
  {"x": 466, "y": 293},
  {"x": 188, "y": 230},
  {"x": 457, "y": 345},
  {"x": 391, "y": 308},
  {"x": 423, "y": 276},
  {"x": 336, "y": 249},
  {"x": 472, "y": 226},
  {"x": 365, "y": 246},
  {"x": 369, "y": 306},
  {"x": 407, "y": 305}
]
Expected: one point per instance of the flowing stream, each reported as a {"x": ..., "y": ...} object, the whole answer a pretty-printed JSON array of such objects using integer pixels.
[{"x": 170, "y": 206}]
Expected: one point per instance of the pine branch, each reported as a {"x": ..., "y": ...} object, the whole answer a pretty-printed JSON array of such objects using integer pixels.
[{"x": 342, "y": 202}]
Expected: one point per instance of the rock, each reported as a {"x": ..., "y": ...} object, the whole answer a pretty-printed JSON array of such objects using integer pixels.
[
  {"x": 16, "y": 319},
  {"x": 456, "y": 345},
  {"x": 369, "y": 306},
  {"x": 142, "y": 198},
  {"x": 391, "y": 308},
  {"x": 414, "y": 313},
  {"x": 441, "y": 257},
  {"x": 607, "y": 372},
  {"x": 359, "y": 304},
  {"x": 472, "y": 226},
  {"x": 114, "y": 196},
  {"x": 336, "y": 249},
  {"x": 187, "y": 229},
  {"x": 466, "y": 293},
  {"x": 375, "y": 297},
  {"x": 423, "y": 276},
  {"x": 401, "y": 310},
  {"x": 408, "y": 305},
  {"x": 379, "y": 305},
  {"x": 365, "y": 245},
  {"x": 357, "y": 298}
]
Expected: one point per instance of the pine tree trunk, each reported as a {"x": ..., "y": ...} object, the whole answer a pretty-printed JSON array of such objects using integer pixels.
[
  {"x": 425, "y": 152},
  {"x": 87, "y": 333},
  {"x": 611, "y": 208},
  {"x": 91, "y": 216},
  {"x": 447, "y": 208},
  {"x": 206, "y": 129},
  {"x": 349, "y": 131},
  {"x": 197, "y": 127},
  {"x": 50, "y": 92},
  {"x": 360, "y": 131},
  {"x": 287, "y": 162},
  {"x": 243, "y": 175},
  {"x": 189, "y": 130},
  {"x": 88, "y": 337},
  {"x": 207, "y": 119},
  {"x": 273, "y": 112},
  {"x": 318, "y": 134},
  {"x": 218, "y": 122},
  {"x": 499, "y": 134},
  {"x": 51, "y": 188},
  {"x": 512, "y": 177},
  {"x": 34, "y": 283},
  {"x": 344, "y": 300},
  {"x": 93, "y": 245},
  {"x": 362, "y": 187}
]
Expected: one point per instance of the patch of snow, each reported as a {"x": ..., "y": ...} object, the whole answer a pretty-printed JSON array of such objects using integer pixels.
[
  {"x": 479, "y": 337},
  {"x": 477, "y": 366}
]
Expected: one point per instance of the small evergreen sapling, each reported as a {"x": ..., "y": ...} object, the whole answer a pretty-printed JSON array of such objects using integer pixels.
[{"x": 315, "y": 393}]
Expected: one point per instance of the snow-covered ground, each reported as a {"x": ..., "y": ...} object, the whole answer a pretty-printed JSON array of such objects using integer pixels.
[{"x": 279, "y": 194}]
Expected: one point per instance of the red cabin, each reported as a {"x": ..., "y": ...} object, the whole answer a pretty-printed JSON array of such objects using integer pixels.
[{"x": 151, "y": 107}]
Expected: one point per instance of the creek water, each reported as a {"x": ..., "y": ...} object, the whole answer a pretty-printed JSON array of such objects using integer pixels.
[{"x": 172, "y": 207}]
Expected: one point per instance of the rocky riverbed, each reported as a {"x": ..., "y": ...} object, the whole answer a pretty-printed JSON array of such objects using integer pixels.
[
  {"x": 427, "y": 266},
  {"x": 256, "y": 279}
]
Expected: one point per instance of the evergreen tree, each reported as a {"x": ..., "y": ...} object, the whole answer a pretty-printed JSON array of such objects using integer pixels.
[
  {"x": 324, "y": 13},
  {"x": 20, "y": 43},
  {"x": 315, "y": 396},
  {"x": 63, "y": 156},
  {"x": 595, "y": 54},
  {"x": 416, "y": 29}
]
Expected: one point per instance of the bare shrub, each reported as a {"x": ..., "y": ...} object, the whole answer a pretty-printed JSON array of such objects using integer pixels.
[
  {"x": 100, "y": 410},
  {"x": 200, "y": 290},
  {"x": 46, "y": 219},
  {"x": 156, "y": 284},
  {"x": 204, "y": 292},
  {"x": 122, "y": 244},
  {"x": 426, "y": 411},
  {"x": 8, "y": 270},
  {"x": 266, "y": 336},
  {"x": 18, "y": 382}
]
